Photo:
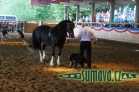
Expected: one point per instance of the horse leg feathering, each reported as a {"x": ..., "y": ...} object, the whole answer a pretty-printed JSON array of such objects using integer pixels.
[
  {"x": 51, "y": 62},
  {"x": 42, "y": 55},
  {"x": 41, "y": 59},
  {"x": 43, "y": 48},
  {"x": 42, "y": 52},
  {"x": 53, "y": 54},
  {"x": 30, "y": 47},
  {"x": 1, "y": 40},
  {"x": 59, "y": 54},
  {"x": 58, "y": 60}
]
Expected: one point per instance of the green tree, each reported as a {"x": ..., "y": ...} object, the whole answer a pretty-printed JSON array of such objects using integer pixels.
[
  {"x": 50, "y": 12},
  {"x": 25, "y": 11},
  {"x": 21, "y": 8}
]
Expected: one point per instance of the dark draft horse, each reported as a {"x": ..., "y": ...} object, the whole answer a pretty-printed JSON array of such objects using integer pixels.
[{"x": 55, "y": 36}]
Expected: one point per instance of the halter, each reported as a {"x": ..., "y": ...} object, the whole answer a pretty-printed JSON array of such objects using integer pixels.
[{"x": 68, "y": 28}]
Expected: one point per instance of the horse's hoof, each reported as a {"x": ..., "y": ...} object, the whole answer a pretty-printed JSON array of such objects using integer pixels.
[
  {"x": 51, "y": 64},
  {"x": 41, "y": 61},
  {"x": 59, "y": 64}
]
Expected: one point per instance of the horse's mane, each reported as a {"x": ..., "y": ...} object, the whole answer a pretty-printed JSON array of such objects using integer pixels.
[
  {"x": 60, "y": 28},
  {"x": 59, "y": 31},
  {"x": 64, "y": 22}
]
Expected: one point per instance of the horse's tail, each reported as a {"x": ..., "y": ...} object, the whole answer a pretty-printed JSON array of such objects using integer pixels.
[{"x": 32, "y": 47}]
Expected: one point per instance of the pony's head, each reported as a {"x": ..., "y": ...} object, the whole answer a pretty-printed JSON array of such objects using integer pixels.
[{"x": 70, "y": 29}]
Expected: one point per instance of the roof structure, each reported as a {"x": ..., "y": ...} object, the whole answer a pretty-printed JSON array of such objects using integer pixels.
[{"x": 85, "y": 3}]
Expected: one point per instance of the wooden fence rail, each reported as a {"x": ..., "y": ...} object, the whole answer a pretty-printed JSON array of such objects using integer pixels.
[{"x": 29, "y": 27}]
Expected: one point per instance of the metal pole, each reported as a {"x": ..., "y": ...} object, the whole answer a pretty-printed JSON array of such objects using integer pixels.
[{"x": 77, "y": 13}]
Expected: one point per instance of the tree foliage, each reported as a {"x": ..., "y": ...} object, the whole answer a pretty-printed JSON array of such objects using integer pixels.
[
  {"x": 25, "y": 11},
  {"x": 21, "y": 8},
  {"x": 50, "y": 12}
]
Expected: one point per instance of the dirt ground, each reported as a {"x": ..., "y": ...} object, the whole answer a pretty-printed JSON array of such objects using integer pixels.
[{"x": 21, "y": 71}]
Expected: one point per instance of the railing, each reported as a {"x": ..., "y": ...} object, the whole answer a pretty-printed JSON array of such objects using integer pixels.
[
  {"x": 29, "y": 25},
  {"x": 42, "y": 21},
  {"x": 110, "y": 24}
]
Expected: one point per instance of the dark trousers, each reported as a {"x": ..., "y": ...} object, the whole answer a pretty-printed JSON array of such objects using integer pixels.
[{"x": 86, "y": 45}]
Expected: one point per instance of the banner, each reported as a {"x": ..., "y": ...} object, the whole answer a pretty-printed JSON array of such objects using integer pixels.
[
  {"x": 120, "y": 29},
  {"x": 97, "y": 28},
  {"x": 54, "y": 1},
  {"x": 36, "y": 2},
  {"x": 117, "y": 29},
  {"x": 47, "y": 2},
  {"x": 133, "y": 30},
  {"x": 65, "y": 1},
  {"x": 108, "y": 29}
]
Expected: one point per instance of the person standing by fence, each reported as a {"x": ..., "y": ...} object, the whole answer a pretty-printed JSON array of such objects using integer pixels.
[{"x": 22, "y": 26}]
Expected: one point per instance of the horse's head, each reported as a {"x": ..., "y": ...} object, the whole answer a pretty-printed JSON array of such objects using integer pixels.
[{"x": 70, "y": 29}]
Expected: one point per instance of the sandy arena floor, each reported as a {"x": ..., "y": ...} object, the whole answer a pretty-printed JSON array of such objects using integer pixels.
[{"x": 21, "y": 71}]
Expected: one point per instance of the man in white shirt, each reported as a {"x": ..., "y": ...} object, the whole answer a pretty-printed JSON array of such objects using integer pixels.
[{"x": 86, "y": 34}]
